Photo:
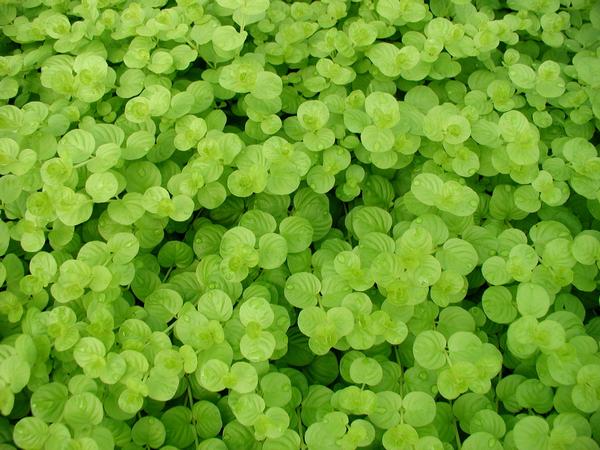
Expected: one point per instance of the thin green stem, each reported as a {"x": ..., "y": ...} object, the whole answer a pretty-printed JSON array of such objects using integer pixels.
[
  {"x": 301, "y": 431},
  {"x": 81, "y": 164},
  {"x": 457, "y": 436},
  {"x": 401, "y": 377},
  {"x": 169, "y": 328},
  {"x": 397, "y": 356},
  {"x": 448, "y": 360},
  {"x": 456, "y": 433},
  {"x": 191, "y": 403},
  {"x": 167, "y": 274},
  {"x": 496, "y": 395}
]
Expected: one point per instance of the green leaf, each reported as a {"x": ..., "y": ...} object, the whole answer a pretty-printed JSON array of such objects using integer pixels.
[
  {"x": 162, "y": 384},
  {"x": 276, "y": 389},
  {"x": 488, "y": 421},
  {"x": 302, "y": 290},
  {"x": 366, "y": 371},
  {"x": 124, "y": 247},
  {"x": 76, "y": 146},
  {"x": 495, "y": 271},
  {"x": 520, "y": 336},
  {"x": 313, "y": 115},
  {"x": 419, "y": 409},
  {"x": 227, "y": 39},
  {"x": 257, "y": 346},
  {"x": 211, "y": 375},
  {"x": 268, "y": 85},
  {"x": 531, "y": 433},
  {"x": 427, "y": 188},
  {"x": 230, "y": 4},
  {"x": 480, "y": 438},
  {"x": 89, "y": 354},
  {"x": 272, "y": 251},
  {"x": 386, "y": 57},
  {"x": 370, "y": 219},
  {"x": 83, "y": 409},
  {"x": 43, "y": 265},
  {"x": 298, "y": 233},
  {"x": 247, "y": 407},
  {"x": 458, "y": 256},
  {"x": 243, "y": 378},
  {"x": 386, "y": 414},
  {"x": 130, "y": 401},
  {"x": 522, "y": 76},
  {"x": 587, "y": 69},
  {"x": 497, "y": 302},
  {"x": 30, "y": 433},
  {"x": 383, "y": 109},
  {"x": 400, "y": 437},
  {"x": 429, "y": 350},
  {"x": 257, "y": 310},
  {"x": 102, "y": 186},
  {"x": 377, "y": 140},
  {"x": 208, "y": 419},
  {"x": 163, "y": 304},
  {"x": 180, "y": 431},
  {"x": 236, "y": 239},
  {"x": 175, "y": 254},
  {"x": 48, "y": 401},
  {"x": 148, "y": 431},
  {"x": 310, "y": 319},
  {"x": 215, "y": 305},
  {"x": 532, "y": 300}
]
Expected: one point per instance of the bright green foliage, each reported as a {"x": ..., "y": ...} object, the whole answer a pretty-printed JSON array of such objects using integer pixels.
[
  {"x": 302, "y": 289},
  {"x": 299, "y": 225},
  {"x": 429, "y": 350},
  {"x": 366, "y": 371},
  {"x": 148, "y": 431},
  {"x": 82, "y": 410},
  {"x": 448, "y": 196},
  {"x": 325, "y": 329}
]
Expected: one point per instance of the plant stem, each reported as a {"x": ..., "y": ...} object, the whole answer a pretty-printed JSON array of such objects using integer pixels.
[
  {"x": 301, "y": 431},
  {"x": 191, "y": 402},
  {"x": 457, "y": 436}
]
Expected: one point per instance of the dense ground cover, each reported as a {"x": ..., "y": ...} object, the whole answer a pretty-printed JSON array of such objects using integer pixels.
[{"x": 258, "y": 224}]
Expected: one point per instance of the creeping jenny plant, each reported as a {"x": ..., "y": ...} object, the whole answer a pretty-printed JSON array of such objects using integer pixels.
[{"x": 286, "y": 225}]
